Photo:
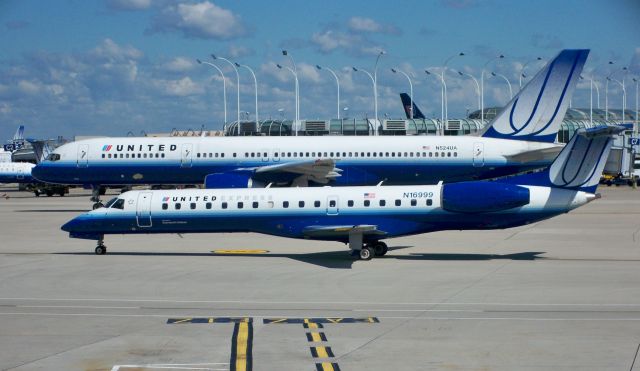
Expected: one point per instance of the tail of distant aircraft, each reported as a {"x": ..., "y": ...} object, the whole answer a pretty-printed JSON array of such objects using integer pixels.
[
  {"x": 580, "y": 164},
  {"x": 536, "y": 112},
  {"x": 41, "y": 149},
  {"x": 410, "y": 105},
  {"x": 19, "y": 135}
]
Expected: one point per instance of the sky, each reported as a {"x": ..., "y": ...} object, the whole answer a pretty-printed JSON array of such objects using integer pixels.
[{"x": 113, "y": 67}]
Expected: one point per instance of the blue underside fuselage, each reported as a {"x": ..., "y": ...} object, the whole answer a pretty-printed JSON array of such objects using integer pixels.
[
  {"x": 95, "y": 225},
  {"x": 353, "y": 173}
]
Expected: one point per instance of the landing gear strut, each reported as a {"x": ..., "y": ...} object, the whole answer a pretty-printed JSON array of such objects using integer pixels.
[
  {"x": 101, "y": 249},
  {"x": 96, "y": 192}
]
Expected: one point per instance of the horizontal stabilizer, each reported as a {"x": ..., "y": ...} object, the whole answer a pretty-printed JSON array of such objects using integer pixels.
[
  {"x": 320, "y": 171},
  {"x": 536, "y": 155}
]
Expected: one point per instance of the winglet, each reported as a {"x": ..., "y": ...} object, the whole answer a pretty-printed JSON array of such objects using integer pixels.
[{"x": 536, "y": 112}]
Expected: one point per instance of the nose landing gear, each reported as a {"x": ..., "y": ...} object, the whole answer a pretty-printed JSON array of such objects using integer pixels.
[
  {"x": 101, "y": 249},
  {"x": 96, "y": 192}
]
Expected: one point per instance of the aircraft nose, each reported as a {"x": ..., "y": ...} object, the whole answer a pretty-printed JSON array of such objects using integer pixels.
[{"x": 74, "y": 225}]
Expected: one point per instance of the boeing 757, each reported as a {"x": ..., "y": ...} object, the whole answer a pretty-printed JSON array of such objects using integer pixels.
[
  {"x": 361, "y": 216},
  {"x": 519, "y": 139}
]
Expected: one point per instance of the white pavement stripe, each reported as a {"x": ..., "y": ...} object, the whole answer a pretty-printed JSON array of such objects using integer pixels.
[
  {"x": 323, "y": 302},
  {"x": 285, "y": 316},
  {"x": 74, "y": 306}
]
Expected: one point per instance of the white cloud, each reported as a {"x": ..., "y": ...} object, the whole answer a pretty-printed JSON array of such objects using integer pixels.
[
  {"x": 109, "y": 49},
  {"x": 362, "y": 24},
  {"x": 200, "y": 20},
  {"x": 179, "y": 64},
  {"x": 29, "y": 87},
  {"x": 179, "y": 88},
  {"x": 129, "y": 4},
  {"x": 236, "y": 51}
]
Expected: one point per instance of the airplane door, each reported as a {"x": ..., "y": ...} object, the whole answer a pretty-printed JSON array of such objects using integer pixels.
[
  {"x": 143, "y": 209},
  {"x": 265, "y": 155},
  {"x": 478, "y": 154},
  {"x": 186, "y": 157},
  {"x": 332, "y": 205},
  {"x": 276, "y": 155},
  {"x": 83, "y": 155},
  {"x": 20, "y": 173}
]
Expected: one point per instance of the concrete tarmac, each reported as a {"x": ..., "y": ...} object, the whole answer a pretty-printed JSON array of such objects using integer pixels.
[{"x": 563, "y": 294}]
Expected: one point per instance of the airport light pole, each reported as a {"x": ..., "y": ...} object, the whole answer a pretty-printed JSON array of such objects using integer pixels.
[
  {"x": 606, "y": 92},
  {"x": 443, "y": 74},
  {"x": 590, "y": 98},
  {"x": 224, "y": 86},
  {"x": 375, "y": 87},
  {"x": 375, "y": 101},
  {"x": 295, "y": 76},
  {"x": 475, "y": 81},
  {"x": 237, "y": 82},
  {"x": 442, "y": 92},
  {"x": 337, "y": 83},
  {"x": 522, "y": 75},
  {"x": 394, "y": 70},
  {"x": 255, "y": 84},
  {"x": 508, "y": 83},
  {"x": 636, "y": 80},
  {"x": 501, "y": 56}
]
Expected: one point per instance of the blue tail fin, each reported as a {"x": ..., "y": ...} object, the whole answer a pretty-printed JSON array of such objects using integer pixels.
[
  {"x": 580, "y": 164},
  {"x": 409, "y": 105},
  {"x": 536, "y": 112},
  {"x": 41, "y": 149}
]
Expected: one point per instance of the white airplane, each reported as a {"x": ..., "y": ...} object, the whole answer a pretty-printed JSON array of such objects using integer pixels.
[
  {"x": 15, "y": 172},
  {"x": 519, "y": 139},
  {"x": 361, "y": 216}
]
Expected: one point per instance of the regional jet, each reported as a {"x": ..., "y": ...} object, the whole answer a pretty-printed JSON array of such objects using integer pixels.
[
  {"x": 362, "y": 216},
  {"x": 519, "y": 139}
]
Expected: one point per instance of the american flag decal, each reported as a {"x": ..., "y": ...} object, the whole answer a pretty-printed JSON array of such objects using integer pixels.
[
  {"x": 369, "y": 195},
  {"x": 426, "y": 147}
]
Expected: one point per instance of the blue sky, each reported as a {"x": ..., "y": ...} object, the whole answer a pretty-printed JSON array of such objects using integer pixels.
[{"x": 107, "y": 67}]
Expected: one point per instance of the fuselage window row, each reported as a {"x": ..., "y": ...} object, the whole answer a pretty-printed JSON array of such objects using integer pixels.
[
  {"x": 293, "y": 154},
  {"x": 285, "y": 204}
]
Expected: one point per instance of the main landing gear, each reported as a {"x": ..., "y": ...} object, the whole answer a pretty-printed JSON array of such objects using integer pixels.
[
  {"x": 369, "y": 250},
  {"x": 101, "y": 249},
  {"x": 96, "y": 192}
]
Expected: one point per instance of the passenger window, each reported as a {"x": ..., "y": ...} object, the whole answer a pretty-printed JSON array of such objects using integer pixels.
[
  {"x": 441, "y": 154},
  {"x": 414, "y": 202},
  {"x": 367, "y": 203},
  {"x": 193, "y": 206},
  {"x": 285, "y": 204},
  {"x": 240, "y": 205},
  {"x": 350, "y": 203},
  {"x": 255, "y": 205},
  {"x": 455, "y": 154},
  {"x": 429, "y": 202},
  {"x": 300, "y": 203},
  {"x": 224, "y": 205},
  {"x": 103, "y": 155},
  {"x": 162, "y": 155},
  {"x": 109, "y": 156},
  {"x": 198, "y": 155},
  {"x": 178, "y": 205},
  {"x": 398, "y": 202},
  {"x": 208, "y": 205},
  {"x": 448, "y": 154},
  {"x": 332, "y": 203},
  {"x": 165, "y": 206},
  {"x": 383, "y": 203},
  {"x": 436, "y": 154},
  {"x": 430, "y": 154},
  {"x": 316, "y": 203}
]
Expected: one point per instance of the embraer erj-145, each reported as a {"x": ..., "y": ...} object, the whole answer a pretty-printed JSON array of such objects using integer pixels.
[
  {"x": 362, "y": 216},
  {"x": 520, "y": 138}
]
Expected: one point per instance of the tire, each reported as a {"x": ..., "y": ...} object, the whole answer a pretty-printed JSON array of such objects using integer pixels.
[
  {"x": 366, "y": 253},
  {"x": 101, "y": 250},
  {"x": 61, "y": 193},
  {"x": 102, "y": 191},
  {"x": 380, "y": 248},
  {"x": 49, "y": 193},
  {"x": 97, "y": 205}
]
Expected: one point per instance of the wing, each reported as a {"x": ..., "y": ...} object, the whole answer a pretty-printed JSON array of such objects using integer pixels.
[
  {"x": 338, "y": 231},
  {"x": 319, "y": 171}
]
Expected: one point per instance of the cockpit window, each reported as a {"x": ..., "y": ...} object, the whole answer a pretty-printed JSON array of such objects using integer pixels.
[
  {"x": 119, "y": 204},
  {"x": 111, "y": 202},
  {"x": 53, "y": 157}
]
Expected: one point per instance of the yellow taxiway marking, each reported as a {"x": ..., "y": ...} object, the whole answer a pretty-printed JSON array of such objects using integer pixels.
[
  {"x": 321, "y": 352},
  {"x": 327, "y": 366},
  {"x": 241, "y": 352},
  {"x": 240, "y": 252}
]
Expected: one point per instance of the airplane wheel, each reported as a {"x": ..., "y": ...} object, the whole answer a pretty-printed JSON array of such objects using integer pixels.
[
  {"x": 101, "y": 250},
  {"x": 366, "y": 253},
  {"x": 380, "y": 248},
  {"x": 97, "y": 205}
]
